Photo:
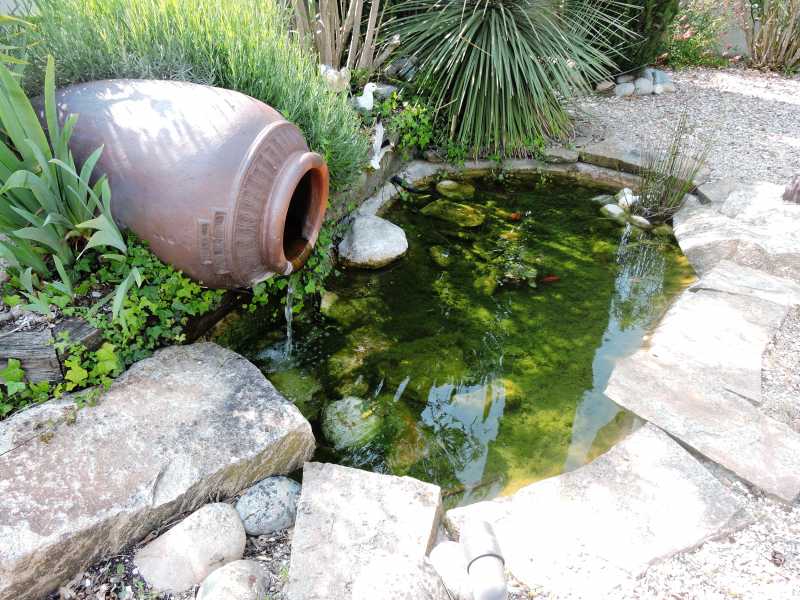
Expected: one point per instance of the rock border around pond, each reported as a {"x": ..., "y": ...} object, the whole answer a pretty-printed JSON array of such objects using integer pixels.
[{"x": 749, "y": 263}]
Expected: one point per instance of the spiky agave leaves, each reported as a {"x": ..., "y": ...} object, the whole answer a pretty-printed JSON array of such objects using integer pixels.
[{"x": 501, "y": 71}]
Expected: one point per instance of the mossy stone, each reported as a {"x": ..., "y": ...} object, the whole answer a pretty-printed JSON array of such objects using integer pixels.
[
  {"x": 299, "y": 387},
  {"x": 350, "y": 311},
  {"x": 455, "y": 190},
  {"x": 457, "y": 213},
  {"x": 349, "y": 423},
  {"x": 442, "y": 256},
  {"x": 486, "y": 284}
]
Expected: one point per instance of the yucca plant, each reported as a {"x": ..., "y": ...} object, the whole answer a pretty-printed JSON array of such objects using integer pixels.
[
  {"x": 669, "y": 170},
  {"x": 500, "y": 71},
  {"x": 50, "y": 211}
]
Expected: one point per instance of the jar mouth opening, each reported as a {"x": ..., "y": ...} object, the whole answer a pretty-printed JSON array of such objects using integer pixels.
[{"x": 295, "y": 213}]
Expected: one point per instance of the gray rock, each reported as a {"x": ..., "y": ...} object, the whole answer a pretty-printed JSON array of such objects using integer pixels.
[
  {"x": 190, "y": 423},
  {"x": 269, "y": 506},
  {"x": 702, "y": 372},
  {"x": 450, "y": 562},
  {"x": 238, "y": 580},
  {"x": 604, "y": 87},
  {"x": 384, "y": 91},
  {"x": 186, "y": 554},
  {"x": 622, "y": 79},
  {"x": 626, "y": 199},
  {"x": 458, "y": 213},
  {"x": 346, "y": 516},
  {"x": 559, "y": 155},
  {"x": 372, "y": 243},
  {"x": 584, "y": 534},
  {"x": 389, "y": 577},
  {"x": 455, "y": 190},
  {"x": 615, "y": 212},
  {"x": 612, "y": 153},
  {"x": 643, "y": 86},
  {"x": 624, "y": 89},
  {"x": 640, "y": 222},
  {"x": 348, "y": 423},
  {"x": 717, "y": 191},
  {"x": 751, "y": 226},
  {"x": 657, "y": 76}
]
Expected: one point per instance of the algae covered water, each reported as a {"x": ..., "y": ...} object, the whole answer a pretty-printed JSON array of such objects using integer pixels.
[{"x": 478, "y": 361}]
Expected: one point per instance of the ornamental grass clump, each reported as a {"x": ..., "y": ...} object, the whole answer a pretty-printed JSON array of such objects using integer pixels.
[
  {"x": 243, "y": 45},
  {"x": 669, "y": 170},
  {"x": 500, "y": 72},
  {"x": 772, "y": 28}
]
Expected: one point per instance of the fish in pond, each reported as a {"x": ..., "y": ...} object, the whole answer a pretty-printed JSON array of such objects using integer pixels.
[
  {"x": 515, "y": 216},
  {"x": 550, "y": 278}
]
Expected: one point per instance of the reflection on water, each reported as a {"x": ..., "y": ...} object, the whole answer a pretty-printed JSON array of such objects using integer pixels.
[{"x": 481, "y": 384}]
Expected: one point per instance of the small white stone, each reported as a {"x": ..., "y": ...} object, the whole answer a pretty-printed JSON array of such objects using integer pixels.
[
  {"x": 239, "y": 580},
  {"x": 186, "y": 554},
  {"x": 624, "y": 89},
  {"x": 663, "y": 88},
  {"x": 372, "y": 242},
  {"x": 643, "y": 86},
  {"x": 626, "y": 199},
  {"x": 640, "y": 222},
  {"x": 613, "y": 211}
]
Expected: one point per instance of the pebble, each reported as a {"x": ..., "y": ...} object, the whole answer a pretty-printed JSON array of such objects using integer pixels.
[
  {"x": 743, "y": 115},
  {"x": 268, "y": 506}
]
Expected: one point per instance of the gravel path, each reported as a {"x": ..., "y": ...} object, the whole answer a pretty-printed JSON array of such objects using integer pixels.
[{"x": 751, "y": 119}]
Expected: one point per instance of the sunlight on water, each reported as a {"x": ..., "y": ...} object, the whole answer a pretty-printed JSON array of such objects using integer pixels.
[{"x": 479, "y": 381}]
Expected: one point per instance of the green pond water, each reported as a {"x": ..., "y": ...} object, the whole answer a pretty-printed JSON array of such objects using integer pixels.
[{"x": 466, "y": 374}]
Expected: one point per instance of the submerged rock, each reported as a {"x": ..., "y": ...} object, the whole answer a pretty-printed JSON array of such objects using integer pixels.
[
  {"x": 349, "y": 311},
  {"x": 487, "y": 283},
  {"x": 269, "y": 506},
  {"x": 455, "y": 190},
  {"x": 186, "y": 554},
  {"x": 442, "y": 256},
  {"x": 349, "y": 422},
  {"x": 459, "y": 214},
  {"x": 372, "y": 243},
  {"x": 299, "y": 387}
]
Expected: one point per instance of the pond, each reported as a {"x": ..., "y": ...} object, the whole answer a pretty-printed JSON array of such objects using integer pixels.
[{"x": 478, "y": 361}]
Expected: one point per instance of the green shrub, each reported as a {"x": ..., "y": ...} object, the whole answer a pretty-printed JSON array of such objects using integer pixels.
[
  {"x": 499, "y": 73},
  {"x": 650, "y": 21},
  {"x": 694, "y": 36},
  {"x": 411, "y": 122},
  {"x": 49, "y": 211},
  {"x": 237, "y": 44}
]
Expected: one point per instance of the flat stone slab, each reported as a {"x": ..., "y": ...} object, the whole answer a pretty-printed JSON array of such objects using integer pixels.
[
  {"x": 190, "y": 423},
  {"x": 613, "y": 154},
  {"x": 583, "y": 534},
  {"x": 345, "y": 516},
  {"x": 699, "y": 378},
  {"x": 750, "y": 225}
]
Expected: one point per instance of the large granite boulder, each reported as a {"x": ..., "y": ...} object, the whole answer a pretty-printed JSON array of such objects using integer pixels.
[
  {"x": 190, "y": 423},
  {"x": 391, "y": 577},
  {"x": 585, "y": 534},
  {"x": 269, "y": 506},
  {"x": 346, "y": 516}
]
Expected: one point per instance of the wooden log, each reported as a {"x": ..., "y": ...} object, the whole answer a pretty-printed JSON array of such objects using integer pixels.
[{"x": 35, "y": 352}]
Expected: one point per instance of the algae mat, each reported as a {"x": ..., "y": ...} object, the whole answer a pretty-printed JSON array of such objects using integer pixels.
[{"x": 480, "y": 358}]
